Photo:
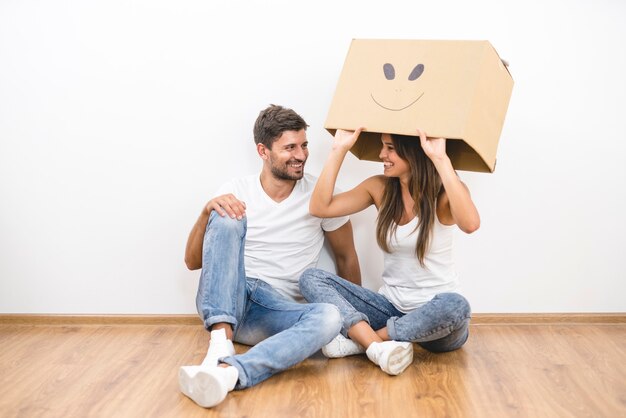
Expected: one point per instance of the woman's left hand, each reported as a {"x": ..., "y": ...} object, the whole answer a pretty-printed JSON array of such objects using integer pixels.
[{"x": 434, "y": 148}]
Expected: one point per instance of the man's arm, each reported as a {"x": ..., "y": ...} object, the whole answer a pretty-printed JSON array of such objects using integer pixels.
[
  {"x": 224, "y": 205},
  {"x": 342, "y": 244}
]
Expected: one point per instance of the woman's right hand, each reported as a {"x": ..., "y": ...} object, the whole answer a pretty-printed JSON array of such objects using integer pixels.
[{"x": 344, "y": 140}]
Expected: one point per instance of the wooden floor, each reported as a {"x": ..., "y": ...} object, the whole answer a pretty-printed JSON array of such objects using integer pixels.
[{"x": 513, "y": 370}]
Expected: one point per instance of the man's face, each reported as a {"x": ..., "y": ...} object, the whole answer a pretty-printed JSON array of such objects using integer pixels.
[{"x": 288, "y": 155}]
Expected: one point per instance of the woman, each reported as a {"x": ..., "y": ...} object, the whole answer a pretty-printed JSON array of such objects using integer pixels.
[{"x": 419, "y": 200}]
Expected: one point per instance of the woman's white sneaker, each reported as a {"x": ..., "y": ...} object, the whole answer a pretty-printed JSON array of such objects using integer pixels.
[{"x": 393, "y": 357}]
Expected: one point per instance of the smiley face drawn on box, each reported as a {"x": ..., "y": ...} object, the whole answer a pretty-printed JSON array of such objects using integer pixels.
[
  {"x": 392, "y": 86},
  {"x": 457, "y": 90},
  {"x": 397, "y": 94}
]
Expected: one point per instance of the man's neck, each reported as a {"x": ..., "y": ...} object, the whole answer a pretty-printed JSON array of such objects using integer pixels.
[{"x": 277, "y": 189}]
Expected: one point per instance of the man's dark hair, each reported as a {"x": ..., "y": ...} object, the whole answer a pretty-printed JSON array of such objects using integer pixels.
[{"x": 273, "y": 121}]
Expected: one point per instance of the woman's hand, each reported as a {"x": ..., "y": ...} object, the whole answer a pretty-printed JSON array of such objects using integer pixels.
[
  {"x": 344, "y": 140},
  {"x": 434, "y": 148}
]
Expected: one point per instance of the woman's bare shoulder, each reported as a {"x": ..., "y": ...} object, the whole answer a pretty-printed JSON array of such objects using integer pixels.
[{"x": 375, "y": 185}]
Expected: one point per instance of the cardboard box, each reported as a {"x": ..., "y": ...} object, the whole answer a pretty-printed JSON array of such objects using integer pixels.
[{"x": 458, "y": 90}]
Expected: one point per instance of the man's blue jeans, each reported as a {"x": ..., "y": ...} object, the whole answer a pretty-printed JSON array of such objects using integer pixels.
[
  {"x": 282, "y": 332},
  {"x": 439, "y": 325}
]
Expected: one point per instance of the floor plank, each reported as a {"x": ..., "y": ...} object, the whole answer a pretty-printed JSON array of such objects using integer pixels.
[{"x": 126, "y": 370}]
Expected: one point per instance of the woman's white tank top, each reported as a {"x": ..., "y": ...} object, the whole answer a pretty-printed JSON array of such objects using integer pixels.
[{"x": 408, "y": 285}]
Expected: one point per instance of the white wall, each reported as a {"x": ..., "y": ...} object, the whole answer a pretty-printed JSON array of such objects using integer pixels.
[{"x": 118, "y": 120}]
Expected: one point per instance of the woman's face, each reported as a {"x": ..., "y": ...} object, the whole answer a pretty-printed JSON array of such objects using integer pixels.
[{"x": 394, "y": 165}]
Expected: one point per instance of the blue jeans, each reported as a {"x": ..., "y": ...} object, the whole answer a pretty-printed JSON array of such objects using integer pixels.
[
  {"x": 282, "y": 332},
  {"x": 440, "y": 325}
]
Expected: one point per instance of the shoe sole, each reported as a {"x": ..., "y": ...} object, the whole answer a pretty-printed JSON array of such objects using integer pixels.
[
  {"x": 332, "y": 353},
  {"x": 399, "y": 359},
  {"x": 329, "y": 353},
  {"x": 201, "y": 387}
]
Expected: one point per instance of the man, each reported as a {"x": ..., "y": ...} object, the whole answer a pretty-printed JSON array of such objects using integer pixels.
[{"x": 253, "y": 241}]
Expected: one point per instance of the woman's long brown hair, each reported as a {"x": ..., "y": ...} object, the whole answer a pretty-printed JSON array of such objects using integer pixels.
[{"x": 424, "y": 186}]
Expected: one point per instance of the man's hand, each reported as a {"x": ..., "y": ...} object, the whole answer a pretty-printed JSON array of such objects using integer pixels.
[{"x": 227, "y": 204}]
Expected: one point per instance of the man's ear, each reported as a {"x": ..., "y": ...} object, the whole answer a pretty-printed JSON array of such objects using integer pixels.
[{"x": 263, "y": 151}]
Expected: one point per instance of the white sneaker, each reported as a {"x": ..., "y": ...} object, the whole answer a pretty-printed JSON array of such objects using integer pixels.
[
  {"x": 393, "y": 357},
  {"x": 219, "y": 347},
  {"x": 207, "y": 386},
  {"x": 341, "y": 346}
]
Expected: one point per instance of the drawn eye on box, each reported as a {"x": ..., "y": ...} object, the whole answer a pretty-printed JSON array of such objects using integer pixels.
[{"x": 403, "y": 95}]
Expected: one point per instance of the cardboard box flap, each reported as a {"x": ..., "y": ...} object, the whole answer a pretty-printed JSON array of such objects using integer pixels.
[{"x": 453, "y": 89}]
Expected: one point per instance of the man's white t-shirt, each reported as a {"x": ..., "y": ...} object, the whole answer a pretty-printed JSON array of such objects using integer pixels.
[{"x": 282, "y": 238}]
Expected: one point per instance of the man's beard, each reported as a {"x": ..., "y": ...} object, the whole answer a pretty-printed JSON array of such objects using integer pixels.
[{"x": 282, "y": 173}]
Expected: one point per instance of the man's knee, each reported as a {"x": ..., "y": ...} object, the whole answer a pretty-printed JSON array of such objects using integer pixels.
[
  {"x": 333, "y": 321},
  {"x": 226, "y": 223},
  {"x": 328, "y": 319}
]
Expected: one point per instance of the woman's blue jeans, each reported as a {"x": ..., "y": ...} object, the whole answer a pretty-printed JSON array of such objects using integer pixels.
[
  {"x": 282, "y": 332},
  {"x": 439, "y": 325}
]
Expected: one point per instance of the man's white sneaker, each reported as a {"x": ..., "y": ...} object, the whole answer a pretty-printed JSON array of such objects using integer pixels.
[
  {"x": 219, "y": 347},
  {"x": 393, "y": 357},
  {"x": 341, "y": 346},
  {"x": 207, "y": 386}
]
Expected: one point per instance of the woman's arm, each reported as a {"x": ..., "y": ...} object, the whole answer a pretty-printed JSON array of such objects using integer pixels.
[
  {"x": 323, "y": 203},
  {"x": 460, "y": 206}
]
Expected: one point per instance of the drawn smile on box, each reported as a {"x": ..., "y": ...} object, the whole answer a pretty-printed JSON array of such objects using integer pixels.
[{"x": 390, "y": 74}]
